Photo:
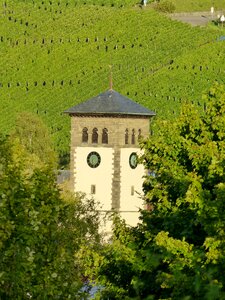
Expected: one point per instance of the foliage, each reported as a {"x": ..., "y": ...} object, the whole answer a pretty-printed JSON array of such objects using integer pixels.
[
  {"x": 178, "y": 250},
  {"x": 112, "y": 266},
  {"x": 33, "y": 134},
  {"x": 187, "y": 194},
  {"x": 41, "y": 230},
  {"x": 165, "y": 6}
]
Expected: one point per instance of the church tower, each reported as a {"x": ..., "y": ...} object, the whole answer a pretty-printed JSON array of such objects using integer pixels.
[{"x": 104, "y": 145}]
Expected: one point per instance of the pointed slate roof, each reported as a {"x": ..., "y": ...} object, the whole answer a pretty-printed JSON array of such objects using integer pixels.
[{"x": 110, "y": 103}]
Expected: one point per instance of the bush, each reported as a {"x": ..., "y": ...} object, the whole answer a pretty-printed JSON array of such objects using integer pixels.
[{"x": 165, "y": 6}]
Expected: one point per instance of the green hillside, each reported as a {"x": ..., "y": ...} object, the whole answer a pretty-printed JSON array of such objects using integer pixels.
[
  {"x": 197, "y": 5},
  {"x": 56, "y": 54}
]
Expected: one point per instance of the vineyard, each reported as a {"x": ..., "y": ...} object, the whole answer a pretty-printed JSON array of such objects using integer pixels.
[
  {"x": 56, "y": 54},
  {"x": 197, "y": 5}
]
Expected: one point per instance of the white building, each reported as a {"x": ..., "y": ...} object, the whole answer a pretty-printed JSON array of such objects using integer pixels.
[{"x": 104, "y": 146}]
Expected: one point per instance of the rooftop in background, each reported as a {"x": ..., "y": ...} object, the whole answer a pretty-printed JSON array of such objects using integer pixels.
[{"x": 110, "y": 103}]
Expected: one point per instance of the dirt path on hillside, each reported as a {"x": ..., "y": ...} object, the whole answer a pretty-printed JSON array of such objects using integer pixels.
[{"x": 195, "y": 18}]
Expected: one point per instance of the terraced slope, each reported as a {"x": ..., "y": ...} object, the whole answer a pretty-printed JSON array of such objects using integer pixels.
[
  {"x": 198, "y": 5},
  {"x": 57, "y": 54},
  {"x": 185, "y": 79}
]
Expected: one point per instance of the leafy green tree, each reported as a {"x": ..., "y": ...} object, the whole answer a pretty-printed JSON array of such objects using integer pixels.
[
  {"x": 33, "y": 134},
  {"x": 112, "y": 266},
  {"x": 178, "y": 249},
  {"x": 41, "y": 231},
  {"x": 185, "y": 189}
]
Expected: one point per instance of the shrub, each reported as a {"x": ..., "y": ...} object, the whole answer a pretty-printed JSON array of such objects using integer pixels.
[{"x": 165, "y": 6}]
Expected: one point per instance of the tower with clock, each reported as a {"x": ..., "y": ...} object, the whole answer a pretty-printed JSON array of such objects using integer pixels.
[{"x": 105, "y": 132}]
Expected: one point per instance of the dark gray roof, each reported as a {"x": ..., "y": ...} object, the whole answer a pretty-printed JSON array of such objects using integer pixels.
[{"x": 110, "y": 102}]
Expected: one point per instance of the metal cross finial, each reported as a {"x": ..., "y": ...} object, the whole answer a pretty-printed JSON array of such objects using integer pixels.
[{"x": 110, "y": 78}]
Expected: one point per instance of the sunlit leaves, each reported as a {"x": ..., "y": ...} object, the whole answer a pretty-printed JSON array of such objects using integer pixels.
[
  {"x": 178, "y": 249},
  {"x": 41, "y": 230}
]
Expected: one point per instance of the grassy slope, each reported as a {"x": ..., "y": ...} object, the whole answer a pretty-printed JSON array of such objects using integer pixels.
[
  {"x": 56, "y": 56},
  {"x": 198, "y": 5},
  {"x": 186, "y": 79}
]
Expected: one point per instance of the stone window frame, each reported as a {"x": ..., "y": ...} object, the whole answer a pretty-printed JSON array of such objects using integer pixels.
[
  {"x": 139, "y": 134},
  {"x": 133, "y": 137},
  {"x": 95, "y": 135},
  {"x": 105, "y": 139},
  {"x": 85, "y": 135},
  {"x": 126, "y": 136},
  {"x": 93, "y": 189}
]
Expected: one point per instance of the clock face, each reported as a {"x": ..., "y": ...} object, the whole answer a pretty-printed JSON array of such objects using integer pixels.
[
  {"x": 133, "y": 160},
  {"x": 93, "y": 159}
]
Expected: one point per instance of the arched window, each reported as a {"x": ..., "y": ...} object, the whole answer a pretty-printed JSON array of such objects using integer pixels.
[
  {"x": 139, "y": 133},
  {"x": 105, "y": 136},
  {"x": 85, "y": 135},
  {"x": 133, "y": 137},
  {"x": 95, "y": 136},
  {"x": 126, "y": 136}
]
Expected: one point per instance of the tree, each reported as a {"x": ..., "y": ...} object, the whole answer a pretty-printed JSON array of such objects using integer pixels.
[
  {"x": 33, "y": 134},
  {"x": 178, "y": 250},
  {"x": 187, "y": 158},
  {"x": 41, "y": 231}
]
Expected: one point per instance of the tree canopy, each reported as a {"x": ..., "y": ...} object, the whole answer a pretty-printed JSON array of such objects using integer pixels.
[
  {"x": 41, "y": 231},
  {"x": 34, "y": 135},
  {"x": 177, "y": 250}
]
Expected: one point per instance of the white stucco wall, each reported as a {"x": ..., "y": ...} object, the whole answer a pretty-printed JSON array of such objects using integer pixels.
[
  {"x": 130, "y": 204},
  {"x": 131, "y": 218},
  {"x": 101, "y": 176}
]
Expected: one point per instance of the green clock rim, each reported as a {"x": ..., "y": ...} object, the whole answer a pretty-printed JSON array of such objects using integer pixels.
[
  {"x": 130, "y": 160},
  {"x": 98, "y": 159}
]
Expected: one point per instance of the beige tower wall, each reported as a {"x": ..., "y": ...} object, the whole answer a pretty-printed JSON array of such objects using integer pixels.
[
  {"x": 100, "y": 177},
  {"x": 113, "y": 177},
  {"x": 131, "y": 187}
]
